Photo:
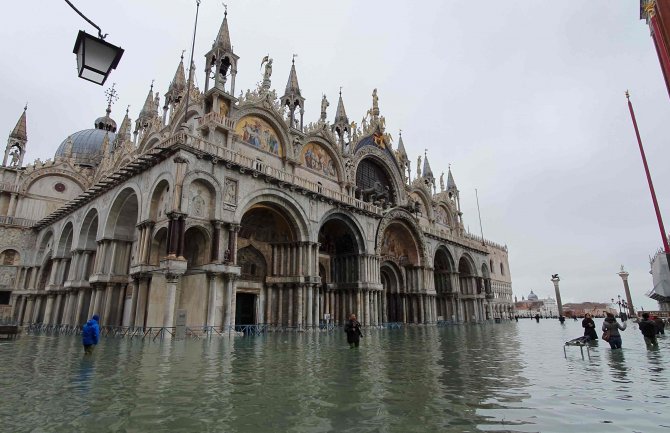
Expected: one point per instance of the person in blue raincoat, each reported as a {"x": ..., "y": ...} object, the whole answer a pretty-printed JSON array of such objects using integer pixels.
[{"x": 90, "y": 334}]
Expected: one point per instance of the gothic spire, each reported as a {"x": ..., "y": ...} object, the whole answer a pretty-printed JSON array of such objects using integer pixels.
[
  {"x": 292, "y": 97},
  {"x": 148, "y": 108},
  {"x": 341, "y": 114},
  {"x": 124, "y": 129},
  {"x": 292, "y": 87},
  {"x": 178, "y": 84},
  {"x": 450, "y": 181},
  {"x": 427, "y": 172},
  {"x": 402, "y": 153},
  {"x": 19, "y": 132},
  {"x": 223, "y": 38}
]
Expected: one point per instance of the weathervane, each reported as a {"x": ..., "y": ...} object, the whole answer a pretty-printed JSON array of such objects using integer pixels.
[
  {"x": 294, "y": 56},
  {"x": 225, "y": 8}
]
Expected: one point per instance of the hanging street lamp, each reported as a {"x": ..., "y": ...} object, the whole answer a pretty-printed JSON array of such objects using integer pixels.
[{"x": 95, "y": 57}]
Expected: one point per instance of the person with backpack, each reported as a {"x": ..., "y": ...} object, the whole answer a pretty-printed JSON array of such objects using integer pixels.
[
  {"x": 90, "y": 334},
  {"x": 648, "y": 329}
]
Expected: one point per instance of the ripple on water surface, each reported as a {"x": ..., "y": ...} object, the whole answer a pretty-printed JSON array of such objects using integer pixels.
[{"x": 505, "y": 377}]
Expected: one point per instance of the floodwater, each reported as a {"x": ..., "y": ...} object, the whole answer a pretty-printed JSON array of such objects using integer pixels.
[{"x": 493, "y": 377}]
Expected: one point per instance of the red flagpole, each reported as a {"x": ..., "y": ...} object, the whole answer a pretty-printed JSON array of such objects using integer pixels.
[{"x": 651, "y": 185}]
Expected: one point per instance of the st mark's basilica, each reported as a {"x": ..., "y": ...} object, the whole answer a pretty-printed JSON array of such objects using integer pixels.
[{"x": 235, "y": 211}]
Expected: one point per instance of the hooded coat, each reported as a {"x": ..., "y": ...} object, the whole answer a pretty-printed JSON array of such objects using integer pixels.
[{"x": 91, "y": 332}]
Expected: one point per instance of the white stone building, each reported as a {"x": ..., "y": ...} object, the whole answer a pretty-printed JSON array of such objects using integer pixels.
[
  {"x": 237, "y": 212},
  {"x": 660, "y": 276}
]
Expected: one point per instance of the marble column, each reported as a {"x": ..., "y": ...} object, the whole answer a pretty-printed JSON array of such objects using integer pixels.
[
  {"x": 142, "y": 300},
  {"x": 30, "y": 306},
  {"x": 290, "y": 304},
  {"x": 211, "y": 299},
  {"x": 171, "y": 281},
  {"x": 300, "y": 323},
  {"x": 310, "y": 304},
  {"x": 48, "y": 311},
  {"x": 228, "y": 322}
]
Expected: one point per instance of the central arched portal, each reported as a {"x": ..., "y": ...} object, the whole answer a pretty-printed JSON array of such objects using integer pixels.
[
  {"x": 406, "y": 301},
  {"x": 392, "y": 278}
]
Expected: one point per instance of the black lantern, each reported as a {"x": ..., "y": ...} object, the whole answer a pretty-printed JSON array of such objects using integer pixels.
[{"x": 95, "y": 57}]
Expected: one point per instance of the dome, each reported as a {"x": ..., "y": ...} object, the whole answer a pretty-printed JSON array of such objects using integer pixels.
[
  {"x": 86, "y": 145},
  {"x": 106, "y": 123},
  {"x": 532, "y": 296}
]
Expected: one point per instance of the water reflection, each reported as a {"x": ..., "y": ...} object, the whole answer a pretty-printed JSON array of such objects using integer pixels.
[{"x": 507, "y": 377}]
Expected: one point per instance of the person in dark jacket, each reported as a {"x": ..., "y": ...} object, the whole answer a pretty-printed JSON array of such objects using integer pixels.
[
  {"x": 589, "y": 328},
  {"x": 90, "y": 334},
  {"x": 537, "y": 318},
  {"x": 648, "y": 329},
  {"x": 660, "y": 325},
  {"x": 353, "y": 330},
  {"x": 610, "y": 324}
]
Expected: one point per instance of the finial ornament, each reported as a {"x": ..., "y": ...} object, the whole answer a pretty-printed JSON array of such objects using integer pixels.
[
  {"x": 127, "y": 109},
  {"x": 627, "y": 95},
  {"x": 152, "y": 84},
  {"x": 182, "y": 55},
  {"x": 340, "y": 90},
  {"x": 112, "y": 95},
  {"x": 293, "y": 60},
  {"x": 25, "y": 108},
  {"x": 225, "y": 9}
]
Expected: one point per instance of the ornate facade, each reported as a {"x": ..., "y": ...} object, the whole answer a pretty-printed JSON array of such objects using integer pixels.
[{"x": 232, "y": 209}]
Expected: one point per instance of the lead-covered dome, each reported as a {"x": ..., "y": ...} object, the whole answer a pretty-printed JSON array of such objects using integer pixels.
[{"x": 86, "y": 145}]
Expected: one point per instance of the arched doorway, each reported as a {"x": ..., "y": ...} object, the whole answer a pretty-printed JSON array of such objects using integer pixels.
[
  {"x": 115, "y": 254},
  {"x": 443, "y": 270},
  {"x": 193, "y": 285},
  {"x": 269, "y": 246},
  {"x": 400, "y": 247},
  {"x": 88, "y": 235},
  {"x": 467, "y": 278},
  {"x": 391, "y": 277},
  {"x": 342, "y": 260}
]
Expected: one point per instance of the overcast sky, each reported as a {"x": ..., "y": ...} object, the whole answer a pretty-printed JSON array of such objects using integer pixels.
[{"x": 524, "y": 99}]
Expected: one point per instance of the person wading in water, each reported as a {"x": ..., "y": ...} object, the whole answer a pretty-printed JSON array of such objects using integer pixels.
[
  {"x": 353, "y": 330},
  {"x": 589, "y": 328}
]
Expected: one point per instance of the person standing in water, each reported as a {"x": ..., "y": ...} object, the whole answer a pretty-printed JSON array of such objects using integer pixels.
[
  {"x": 610, "y": 324},
  {"x": 648, "y": 329},
  {"x": 353, "y": 330},
  {"x": 589, "y": 328},
  {"x": 90, "y": 334}
]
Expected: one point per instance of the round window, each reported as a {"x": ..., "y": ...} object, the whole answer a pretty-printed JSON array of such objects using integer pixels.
[{"x": 60, "y": 187}]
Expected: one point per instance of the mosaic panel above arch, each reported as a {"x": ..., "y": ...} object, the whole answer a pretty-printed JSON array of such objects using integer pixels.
[
  {"x": 258, "y": 133},
  {"x": 399, "y": 243},
  {"x": 316, "y": 158}
]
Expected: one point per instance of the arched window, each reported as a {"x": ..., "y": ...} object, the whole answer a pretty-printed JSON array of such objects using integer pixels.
[
  {"x": 493, "y": 270},
  {"x": 502, "y": 270},
  {"x": 372, "y": 181}
]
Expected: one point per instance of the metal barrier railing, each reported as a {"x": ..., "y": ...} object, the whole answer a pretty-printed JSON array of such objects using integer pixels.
[{"x": 154, "y": 333}]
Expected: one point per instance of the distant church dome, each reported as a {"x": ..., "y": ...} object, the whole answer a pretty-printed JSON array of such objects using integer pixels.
[{"x": 532, "y": 296}]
